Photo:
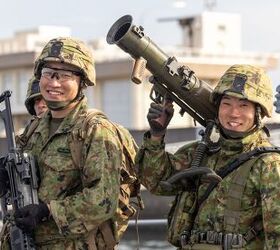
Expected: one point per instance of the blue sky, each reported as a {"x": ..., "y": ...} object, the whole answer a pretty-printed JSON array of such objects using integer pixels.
[{"x": 91, "y": 19}]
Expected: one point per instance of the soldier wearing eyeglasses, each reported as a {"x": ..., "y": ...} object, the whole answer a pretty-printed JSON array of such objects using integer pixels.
[{"x": 77, "y": 203}]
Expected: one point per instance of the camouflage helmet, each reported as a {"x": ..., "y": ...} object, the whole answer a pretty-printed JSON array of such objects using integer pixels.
[
  {"x": 70, "y": 51},
  {"x": 249, "y": 82},
  {"x": 33, "y": 91}
]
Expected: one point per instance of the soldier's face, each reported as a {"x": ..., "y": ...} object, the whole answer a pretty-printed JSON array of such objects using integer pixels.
[
  {"x": 57, "y": 83},
  {"x": 236, "y": 114},
  {"x": 40, "y": 106}
]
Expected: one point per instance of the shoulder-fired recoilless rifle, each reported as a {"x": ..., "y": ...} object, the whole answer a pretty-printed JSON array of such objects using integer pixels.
[
  {"x": 169, "y": 77},
  {"x": 23, "y": 181},
  {"x": 177, "y": 81}
]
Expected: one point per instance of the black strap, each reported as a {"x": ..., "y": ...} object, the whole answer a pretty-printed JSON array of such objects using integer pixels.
[
  {"x": 255, "y": 229},
  {"x": 226, "y": 170},
  {"x": 235, "y": 164}
]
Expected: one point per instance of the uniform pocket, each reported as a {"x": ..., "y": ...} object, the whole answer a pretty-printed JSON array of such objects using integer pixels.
[
  {"x": 59, "y": 162},
  {"x": 57, "y": 155},
  {"x": 60, "y": 176}
]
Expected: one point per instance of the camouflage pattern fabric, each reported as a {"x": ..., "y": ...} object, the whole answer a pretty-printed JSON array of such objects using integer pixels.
[
  {"x": 70, "y": 51},
  {"x": 260, "y": 198},
  {"x": 33, "y": 92},
  {"x": 247, "y": 81},
  {"x": 80, "y": 199}
]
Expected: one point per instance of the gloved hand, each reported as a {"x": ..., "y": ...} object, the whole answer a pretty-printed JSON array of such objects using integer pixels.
[
  {"x": 159, "y": 117},
  {"x": 277, "y": 102},
  {"x": 4, "y": 181},
  {"x": 28, "y": 217}
]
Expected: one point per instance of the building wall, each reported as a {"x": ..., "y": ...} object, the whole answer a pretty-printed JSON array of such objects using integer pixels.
[
  {"x": 16, "y": 81},
  {"x": 32, "y": 39},
  {"x": 212, "y": 31},
  {"x": 115, "y": 94}
]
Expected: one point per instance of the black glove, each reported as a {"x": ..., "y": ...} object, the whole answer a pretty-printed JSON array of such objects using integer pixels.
[
  {"x": 28, "y": 217},
  {"x": 159, "y": 117},
  {"x": 4, "y": 181},
  {"x": 277, "y": 102}
]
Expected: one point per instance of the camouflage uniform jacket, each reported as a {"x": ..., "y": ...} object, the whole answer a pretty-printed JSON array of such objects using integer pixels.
[
  {"x": 80, "y": 199},
  {"x": 260, "y": 198}
]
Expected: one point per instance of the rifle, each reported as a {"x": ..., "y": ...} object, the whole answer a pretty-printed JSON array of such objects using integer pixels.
[
  {"x": 176, "y": 81},
  {"x": 23, "y": 181}
]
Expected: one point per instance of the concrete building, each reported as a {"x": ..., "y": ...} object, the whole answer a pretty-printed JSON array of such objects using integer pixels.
[
  {"x": 211, "y": 43},
  {"x": 17, "y": 56}
]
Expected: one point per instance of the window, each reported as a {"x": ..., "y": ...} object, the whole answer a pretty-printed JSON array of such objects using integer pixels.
[
  {"x": 21, "y": 86},
  {"x": 116, "y": 101},
  {"x": 7, "y": 82}
]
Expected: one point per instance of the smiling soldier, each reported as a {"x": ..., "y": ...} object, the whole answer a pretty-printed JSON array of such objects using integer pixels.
[{"x": 243, "y": 211}]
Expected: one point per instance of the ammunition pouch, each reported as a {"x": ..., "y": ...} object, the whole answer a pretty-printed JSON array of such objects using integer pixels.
[
  {"x": 181, "y": 216},
  {"x": 226, "y": 241}
]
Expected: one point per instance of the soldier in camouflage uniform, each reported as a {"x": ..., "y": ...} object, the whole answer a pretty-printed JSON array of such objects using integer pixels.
[
  {"x": 243, "y": 211},
  {"x": 34, "y": 103},
  {"x": 75, "y": 202}
]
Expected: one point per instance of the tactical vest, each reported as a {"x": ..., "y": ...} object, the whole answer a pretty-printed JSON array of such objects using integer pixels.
[
  {"x": 186, "y": 204},
  {"x": 129, "y": 183}
]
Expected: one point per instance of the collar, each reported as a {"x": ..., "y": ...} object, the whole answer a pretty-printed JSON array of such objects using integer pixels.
[
  {"x": 68, "y": 122},
  {"x": 247, "y": 143}
]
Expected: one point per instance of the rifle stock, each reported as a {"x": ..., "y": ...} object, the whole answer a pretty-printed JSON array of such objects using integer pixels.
[
  {"x": 23, "y": 181},
  {"x": 169, "y": 77}
]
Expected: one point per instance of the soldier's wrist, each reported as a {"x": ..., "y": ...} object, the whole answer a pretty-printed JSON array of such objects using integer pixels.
[
  {"x": 156, "y": 137},
  {"x": 152, "y": 144},
  {"x": 157, "y": 134}
]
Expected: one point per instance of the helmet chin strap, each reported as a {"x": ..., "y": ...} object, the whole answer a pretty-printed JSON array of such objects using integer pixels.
[
  {"x": 57, "y": 105},
  {"x": 231, "y": 134},
  {"x": 259, "y": 116}
]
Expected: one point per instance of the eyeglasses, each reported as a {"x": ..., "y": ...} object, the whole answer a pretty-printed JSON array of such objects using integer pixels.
[{"x": 61, "y": 75}]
